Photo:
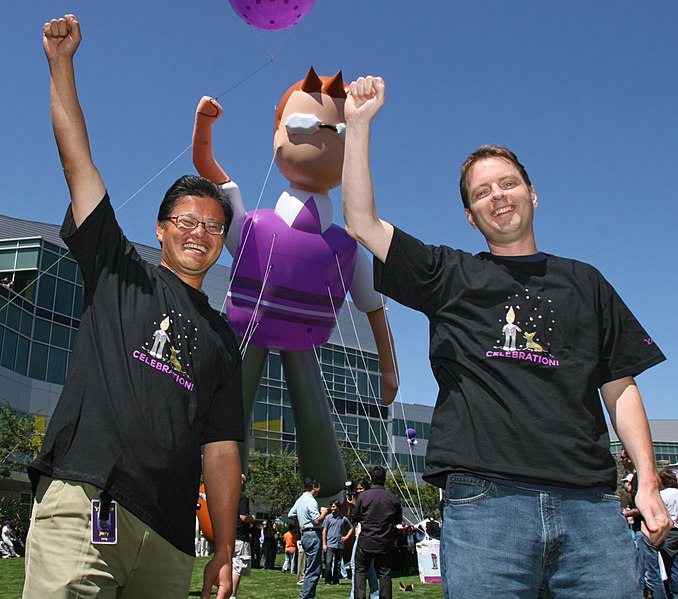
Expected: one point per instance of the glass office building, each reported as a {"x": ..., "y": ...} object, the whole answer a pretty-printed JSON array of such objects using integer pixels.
[{"x": 41, "y": 308}]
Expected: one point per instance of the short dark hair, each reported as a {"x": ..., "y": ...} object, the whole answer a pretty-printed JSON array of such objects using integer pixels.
[
  {"x": 668, "y": 478},
  {"x": 488, "y": 152},
  {"x": 363, "y": 482},
  {"x": 192, "y": 185},
  {"x": 378, "y": 475},
  {"x": 310, "y": 483}
]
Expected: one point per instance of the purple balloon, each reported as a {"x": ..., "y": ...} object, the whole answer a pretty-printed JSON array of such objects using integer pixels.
[
  {"x": 272, "y": 15},
  {"x": 411, "y": 436}
]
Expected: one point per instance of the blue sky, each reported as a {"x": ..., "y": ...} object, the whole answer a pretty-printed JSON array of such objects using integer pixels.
[{"x": 584, "y": 92}]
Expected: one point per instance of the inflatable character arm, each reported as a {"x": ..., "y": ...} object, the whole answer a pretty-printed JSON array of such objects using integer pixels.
[
  {"x": 206, "y": 114},
  {"x": 386, "y": 350},
  {"x": 367, "y": 300}
]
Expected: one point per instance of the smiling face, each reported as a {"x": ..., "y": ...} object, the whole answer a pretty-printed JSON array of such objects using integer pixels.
[
  {"x": 501, "y": 206},
  {"x": 191, "y": 253},
  {"x": 311, "y": 161}
]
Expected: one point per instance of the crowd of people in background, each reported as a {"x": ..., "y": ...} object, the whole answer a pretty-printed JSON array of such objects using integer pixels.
[
  {"x": 658, "y": 562},
  {"x": 330, "y": 538},
  {"x": 358, "y": 540},
  {"x": 10, "y": 543}
]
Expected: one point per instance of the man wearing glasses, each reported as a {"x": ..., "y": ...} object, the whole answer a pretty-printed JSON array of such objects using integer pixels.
[{"x": 155, "y": 375}]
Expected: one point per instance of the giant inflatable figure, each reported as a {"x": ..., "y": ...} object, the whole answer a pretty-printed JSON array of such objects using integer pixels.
[{"x": 291, "y": 266}]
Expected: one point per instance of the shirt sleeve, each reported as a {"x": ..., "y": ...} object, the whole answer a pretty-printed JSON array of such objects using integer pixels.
[
  {"x": 627, "y": 349},
  {"x": 96, "y": 244},
  {"x": 226, "y": 420},
  {"x": 413, "y": 273},
  {"x": 314, "y": 512}
]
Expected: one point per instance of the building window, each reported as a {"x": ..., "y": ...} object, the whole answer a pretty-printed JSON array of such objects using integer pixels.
[
  {"x": 56, "y": 367},
  {"x": 27, "y": 258},
  {"x": 67, "y": 269},
  {"x": 13, "y": 317},
  {"x": 60, "y": 336},
  {"x": 38, "y": 363},
  {"x": 46, "y": 288},
  {"x": 9, "y": 344},
  {"x": 41, "y": 330},
  {"x": 64, "y": 298},
  {"x": 22, "y": 350}
]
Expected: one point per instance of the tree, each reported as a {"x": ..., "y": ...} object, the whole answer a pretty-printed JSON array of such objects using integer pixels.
[
  {"x": 19, "y": 440},
  {"x": 422, "y": 497},
  {"x": 355, "y": 462},
  {"x": 273, "y": 481}
]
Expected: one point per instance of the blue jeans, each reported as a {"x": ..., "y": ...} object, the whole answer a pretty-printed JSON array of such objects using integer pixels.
[
  {"x": 333, "y": 558},
  {"x": 649, "y": 560},
  {"x": 313, "y": 547},
  {"x": 669, "y": 552},
  {"x": 500, "y": 540}
]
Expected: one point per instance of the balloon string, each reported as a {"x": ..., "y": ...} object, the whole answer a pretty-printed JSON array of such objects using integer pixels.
[
  {"x": 345, "y": 430},
  {"x": 234, "y": 268},
  {"x": 372, "y": 393},
  {"x": 258, "y": 34},
  {"x": 247, "y": 337},
  {"x": 400, "y": 397},
  {"x": 362, "y": 354},
  {"x": 153, "y": 178},
  {"x": 239, "y": 83},
  {"x": 336, "y": 413}
]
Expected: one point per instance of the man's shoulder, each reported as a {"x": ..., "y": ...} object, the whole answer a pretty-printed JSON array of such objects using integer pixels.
[
  {"x": 407, "y": 240},
  {"x": 562, "y": 262}
]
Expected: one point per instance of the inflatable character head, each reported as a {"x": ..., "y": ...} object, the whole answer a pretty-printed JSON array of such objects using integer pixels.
[{"x": 308, "y": 138}]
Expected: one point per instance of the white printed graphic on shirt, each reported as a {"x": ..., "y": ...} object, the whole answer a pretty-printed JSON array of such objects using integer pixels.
[
  {"x": 532, "y": 315},
  {"x": 181, "y": 337}
]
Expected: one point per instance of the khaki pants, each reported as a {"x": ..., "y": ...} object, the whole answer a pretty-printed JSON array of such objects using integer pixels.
[{"x": 62, "y": 562}]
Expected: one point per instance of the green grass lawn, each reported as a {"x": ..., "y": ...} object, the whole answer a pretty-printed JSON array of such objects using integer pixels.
[{"x": 261, "y": 584}]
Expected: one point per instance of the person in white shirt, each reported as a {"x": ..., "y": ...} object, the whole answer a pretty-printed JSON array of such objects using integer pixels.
[{"x": 669, "y": 548}]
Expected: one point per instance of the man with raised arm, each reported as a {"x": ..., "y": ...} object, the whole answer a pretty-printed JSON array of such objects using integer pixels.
[
  {"x": 523, "y": 345},
  {"x": 155, "y": 375}
]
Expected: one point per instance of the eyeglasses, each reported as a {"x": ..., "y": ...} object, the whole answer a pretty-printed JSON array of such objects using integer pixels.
[
  {"x": 310, "y": 123},
  {"x": 185, "y": 221}
]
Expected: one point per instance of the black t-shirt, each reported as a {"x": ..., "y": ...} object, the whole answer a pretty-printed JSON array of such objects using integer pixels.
[
  {"x": 519, "y": 350},
  {"x": 155, "y": 373},
  {"x": 242, "y": 529}
]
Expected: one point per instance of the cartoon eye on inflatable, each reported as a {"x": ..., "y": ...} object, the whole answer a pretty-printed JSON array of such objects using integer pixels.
[
  {"x": 411, "y": 436},
  {"x": 272, "y": 15}
]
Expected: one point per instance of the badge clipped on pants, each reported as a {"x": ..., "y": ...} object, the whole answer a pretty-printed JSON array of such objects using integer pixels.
[{"x": 104, "y": 522}]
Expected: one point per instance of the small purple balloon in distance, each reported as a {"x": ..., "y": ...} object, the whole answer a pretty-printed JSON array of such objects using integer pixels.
[
  {"x": 411, "y": 436},
  {"x": 272, "y": 15}
]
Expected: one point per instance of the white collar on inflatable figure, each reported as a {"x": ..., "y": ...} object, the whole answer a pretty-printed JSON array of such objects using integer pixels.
[{"x": 293, "y": 200}]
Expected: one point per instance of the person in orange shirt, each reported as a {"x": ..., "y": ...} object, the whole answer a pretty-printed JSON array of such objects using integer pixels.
[{"x": 290, "y": 545}]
